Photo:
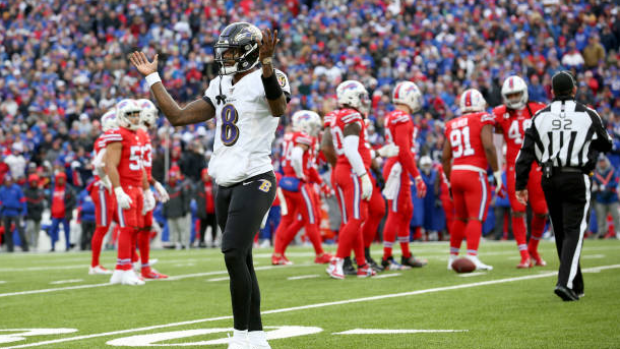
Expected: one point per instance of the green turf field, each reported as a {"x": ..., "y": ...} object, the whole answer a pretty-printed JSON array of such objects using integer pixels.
[{"x": 50, "y": 301}]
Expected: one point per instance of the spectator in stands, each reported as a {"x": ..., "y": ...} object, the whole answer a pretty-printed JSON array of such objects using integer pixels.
[
  {"x": 12, "y": 210},
  {"x": 605, "y": 189},
  {"x": 35, "y": 202},
  {"x": 62, "y": 202},
  {"x": 594, "y": 53},
  {"x": 16, "y": 161},
  {"x": 175, "y": 211}
]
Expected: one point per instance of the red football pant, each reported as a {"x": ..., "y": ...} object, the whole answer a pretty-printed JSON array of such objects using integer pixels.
[
  {"x": 376, "y": 211},
  {"x": 104, "y": 212},
  {"x": 299, "y": 203},
  {"x": 129, "y": 220},
  {"x": 354, "y": 211},
  {"x": 471, "y": 197},
  {"x": 400, "y": 212},
  {"x": 144, "y": 239},
  {"x": 537, "y": 202}
]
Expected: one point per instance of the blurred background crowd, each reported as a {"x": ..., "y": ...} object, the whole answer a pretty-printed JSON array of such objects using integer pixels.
[{"x": 63, "y": 64}]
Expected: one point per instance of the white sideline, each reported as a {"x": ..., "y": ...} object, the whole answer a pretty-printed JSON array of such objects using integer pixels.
[
  {"x": 172, "y": 278},
  {"x": 374, "y": 331},
  {"x": 310, "y": 306}
]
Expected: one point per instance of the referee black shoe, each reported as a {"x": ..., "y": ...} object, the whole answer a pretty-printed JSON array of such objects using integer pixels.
[{"x": 566, "y": 294}]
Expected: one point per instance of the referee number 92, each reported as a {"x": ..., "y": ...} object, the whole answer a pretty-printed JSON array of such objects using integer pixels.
[{"x": 558, "y": 124}]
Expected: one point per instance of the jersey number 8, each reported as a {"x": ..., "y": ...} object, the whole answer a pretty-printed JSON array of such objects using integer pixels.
[{"x": 230, "y": 131}]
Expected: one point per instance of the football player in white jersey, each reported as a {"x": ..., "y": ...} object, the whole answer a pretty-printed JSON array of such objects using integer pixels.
[{"x": 246, "y": 100}]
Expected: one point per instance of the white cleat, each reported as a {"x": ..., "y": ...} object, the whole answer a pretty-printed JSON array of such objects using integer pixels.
[
  {"x": 130, "y": 278},
  {"x": 234, "y": 343},
  {"x": 335, "y": 268},
  {"x": 117, "y": 277},
  {"x": 479, "y": 264},
  {"x": 99, "y": 270},
  {"x": 137, "y": 266},
  {"x": 258, "y": 340},
  {"x": 451, "y": 260}
]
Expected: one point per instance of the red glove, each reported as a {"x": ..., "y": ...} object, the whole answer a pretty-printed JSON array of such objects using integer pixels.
[{"x": 420, "y": 187}]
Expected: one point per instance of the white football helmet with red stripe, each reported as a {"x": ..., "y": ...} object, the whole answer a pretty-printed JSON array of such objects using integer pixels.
[
  {"x": 514, "y": 92},
  {"x": 409, "y": 94},
  {"x": 124, "y": 109},
  {"x": 353, "y": 94},
  {"x": 305, "y": 121},
  {"x": 471, "y": 101},
  {"x": 108, "y": 120},
  {"x": 148, "y": 114}
]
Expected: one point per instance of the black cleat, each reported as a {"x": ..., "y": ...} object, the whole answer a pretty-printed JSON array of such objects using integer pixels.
[
  {"x": 376, "y": 267},
  {"x": 348, "y": 267},
  {"x": 413, "y": 262},
  {"x": 566, "y": 294}
]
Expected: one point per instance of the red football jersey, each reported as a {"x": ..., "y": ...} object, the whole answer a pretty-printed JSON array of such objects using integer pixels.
[
  {"x": 327, "y": 119},
  {"x": 401, "y": 131},
  {"x": 342, "y": 118},
  {"x": 513, "y": 124},
  {"x": 147, "y": 157},
  {"x": 463, "y": 133},
  {"x": 291, "y": 140},
  {"x": 100, "y": 143},
  {"x": 130, "y": 165}
]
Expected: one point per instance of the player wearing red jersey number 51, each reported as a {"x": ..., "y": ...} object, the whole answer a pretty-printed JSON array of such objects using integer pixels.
[
  {"x": 511, "y": 120},
  {"x": 466, "y": 155},
  {"x": 124, "y": 167},
  {"x": 246, "y": 101}
]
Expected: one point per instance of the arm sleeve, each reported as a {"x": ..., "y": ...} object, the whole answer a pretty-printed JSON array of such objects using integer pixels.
[
  {"x": 351, "y": 146},
  {"x": 297, "y": 161},
  {"x": 526, "y": 156},
  {"x": 603, "y": 141},
  {"x": 402, "y": 138}
]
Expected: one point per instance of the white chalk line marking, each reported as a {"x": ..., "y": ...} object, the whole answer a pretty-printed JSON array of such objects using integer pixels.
[
  {"x": 378, "y": 331},
  {"x": 304, "y": 307},
  {"x": 468, "y": 275},
  {"x": 302, "y": 277},
  {"x": 60, "y": 282},
  {"x": 385, "y": 276},
  {"x": 225, "y": 278}
]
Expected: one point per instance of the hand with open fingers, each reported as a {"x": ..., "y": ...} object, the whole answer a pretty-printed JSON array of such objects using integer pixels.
[
  {"x": 124, "y": 201},
  {"x": 522, "y": 196},
  {"x": 420, "y": 187},
  {"x": 161, "y": 192},
  {"x": 366, "y": 186},
  {"x": 139, "y": 60},
  {"x": 267, "y": 47},
  {"x": 498, "y": 182},
  {"x": 388, "y": 151}
]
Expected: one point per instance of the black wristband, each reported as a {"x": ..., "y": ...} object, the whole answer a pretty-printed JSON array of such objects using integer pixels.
[{"x": 272, "y": 87}]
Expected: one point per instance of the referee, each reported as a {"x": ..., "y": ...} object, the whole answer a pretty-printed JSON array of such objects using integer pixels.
[{"x": 565, "y": 139}]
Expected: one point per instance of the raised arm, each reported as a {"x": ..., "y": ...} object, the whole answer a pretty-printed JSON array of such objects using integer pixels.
[
  {"x": 275, "y": 96},
  {"x": 194, "y": 112}
]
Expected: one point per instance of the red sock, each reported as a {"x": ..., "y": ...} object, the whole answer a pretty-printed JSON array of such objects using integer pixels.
[
  {"x": 347, "y": 239},
  {"x": 457, "y": 232},
  {"x": 289, "y": 234},
  {"x": 403, "y": 238},
  {"x": 95, "y": 244},
  {"x": 144, "y": 243},
  {"x": 125, "y": 248},
  {"x": 538, "y": 226},
  {"x": 358, "y": 248},
  {"x": 134, "y": 243},
  {"x": 389, "y": 233},
  {"x": 473, "y": 231},
  {"x": 312, "y": 230},
  {"x": 370, "y": 229},
  {"x": 518, "y": 229}
]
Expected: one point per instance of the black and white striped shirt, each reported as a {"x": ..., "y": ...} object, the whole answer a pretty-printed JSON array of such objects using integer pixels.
[{"x": 565, "y": 132}]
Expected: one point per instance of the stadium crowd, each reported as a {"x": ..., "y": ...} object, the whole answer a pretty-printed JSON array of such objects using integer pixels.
[{"x": 63, "y": 64}]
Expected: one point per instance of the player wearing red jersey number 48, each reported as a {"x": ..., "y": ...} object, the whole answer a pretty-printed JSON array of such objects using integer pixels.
[
  {"x": 511, "y": 120},
  {"x": 400, "y": 131},
  {"x": 466, "y": 155},
  {"x": 352, "y": 178},
  {"x": 128, "y": 178}
]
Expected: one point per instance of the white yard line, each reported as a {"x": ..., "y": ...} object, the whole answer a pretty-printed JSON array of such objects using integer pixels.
[
  {"x": 378, "y": 331},
  {"x": 226, "y": 278},
  {"x": 473, "y": 274},
  {"x": 302, "y": 277},
  {"x": 86, "y": 264},
  {"x": 305, "y": 307},
  {"x": 60, "y": 282},
  {"x": 384, "y": 276}
]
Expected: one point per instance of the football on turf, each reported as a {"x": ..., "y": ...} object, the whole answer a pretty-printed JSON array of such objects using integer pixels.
[{"x": 463, "y": 265}]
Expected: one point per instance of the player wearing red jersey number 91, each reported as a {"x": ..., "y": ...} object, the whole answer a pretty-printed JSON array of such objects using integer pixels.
[{"x": 466, "y": 155}]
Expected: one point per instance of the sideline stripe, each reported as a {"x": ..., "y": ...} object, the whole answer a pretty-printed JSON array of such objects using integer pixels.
[
  {"x": 376, "y": 331},
  {"x": 310, "y": 306}
]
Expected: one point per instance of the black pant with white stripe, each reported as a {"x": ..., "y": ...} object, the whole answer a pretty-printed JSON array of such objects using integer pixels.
[{"x": 568, "y": 199}]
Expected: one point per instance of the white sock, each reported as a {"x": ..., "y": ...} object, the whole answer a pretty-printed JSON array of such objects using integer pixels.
[
  {"x": 258, "y": 337},
  {"x": 240, "y": 335}
]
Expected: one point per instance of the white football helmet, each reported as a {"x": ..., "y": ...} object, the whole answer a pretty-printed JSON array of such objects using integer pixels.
[
  {"x": 514, "y": 85},
  {"x": 353, "y": 94},
  {"x": 409, "y": 94},
  {"x": 125, "y": 108},
  {"x": 305, "y": 121},
  {"x": 471, "y": 101},
  {"x": 108, "y": 120},
  {"x": 149, "y": 113}
]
